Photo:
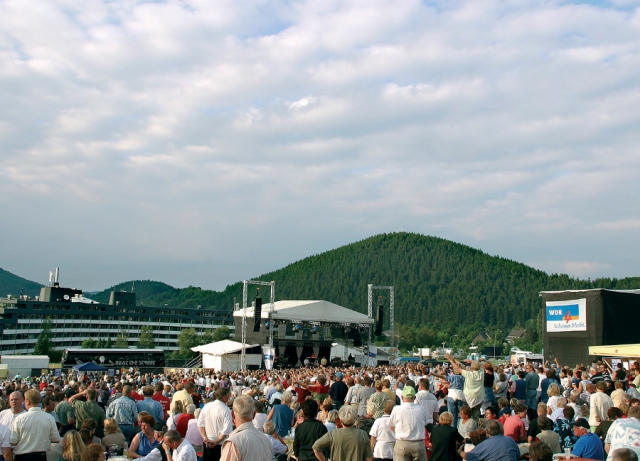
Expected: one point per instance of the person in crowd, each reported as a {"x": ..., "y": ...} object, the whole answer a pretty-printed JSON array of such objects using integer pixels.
[
  {"x": 307, "y": 432},
  {"x": 181, "y": 395},
  {"x": 378, "y": 398},
  {"x": 534, "y": 430},
  {"x": 444, "y": 437},
  {"x": 347, "y": 443},
  {"x": 93, "y": 453},
  {"x": 624, "y": 433},
  {"x": 366, "y": 422},
  {"x": 178, "y": 449},
  {"x": 564, "y": 428},
  {"x": 72, "y": 446},
  {"x": 282, "y": 415},
  {"x": 33, "y": 432},
  {"x": 547, "y": 435},
  {"x": 539, "y": 451},
  {"x": 66, "y": 413},
  {"x": 599, "y": 405},
  {"x": 143, "y": 442},
  {"x": 183, "y": 420},
  {"x": 514, "y": 426},
  {"x": 613, "y": 414},
  {"x": 125, "y": 412},
  {"x": 533, "y": 380},
  {"x": 496, "y": 447},
  {"x": 624, "y": 454},
  {"x": 466, "y": 423},
  {"x": 177, "y": 410},
  {"x": 245, "y": 443},
  {"x": 88, "y": 409},
  {"x": 278, "y": 445},
  {"x": 363, "y": 395},
  {"x": 338, "y": 391},
  {"x": 151, "y": 406},
  {"x": 382, "y": 437},
  {"x": 261, "y": 415},
  {"x": 408, "y": 422},
  {"x": 588, "y": 444},
  {"x": 114, "y": 436},
  {"x": 331, "y": 420},
  {"x": 428, "y": 401},
  {"x": 164, "y": 401},
  {"x": 215, "y": 424},
  {"x": 473, "y": 384}
]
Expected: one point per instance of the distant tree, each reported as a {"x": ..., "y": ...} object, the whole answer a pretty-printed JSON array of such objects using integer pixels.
[
  {"x": 109, "y": 343},
  {"x": 187, "y": 339},
  {"x": 44, "y": 345},
  {"x": 122, "y": 341},
  {"x": 217, "y": 334},
  {"x": 101, "y": 344},
  {"x": 146, "y": 338},
  {"x": 88, "y": 343}
]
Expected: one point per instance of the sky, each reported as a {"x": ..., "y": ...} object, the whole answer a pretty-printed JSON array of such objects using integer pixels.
[{"x": 206, "y": 142}]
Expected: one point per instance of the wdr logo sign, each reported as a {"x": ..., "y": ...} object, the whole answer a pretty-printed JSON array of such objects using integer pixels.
[{"x": 567, "y": 315}]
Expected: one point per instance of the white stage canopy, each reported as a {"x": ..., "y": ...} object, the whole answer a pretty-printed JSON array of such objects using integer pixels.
[{"x": 310, "y": 311}]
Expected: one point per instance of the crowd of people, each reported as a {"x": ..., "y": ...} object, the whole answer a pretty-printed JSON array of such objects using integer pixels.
[{"x": 476, "y": 411}]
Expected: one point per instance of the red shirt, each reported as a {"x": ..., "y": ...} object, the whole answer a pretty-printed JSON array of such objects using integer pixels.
[
  {"x": 182, "y": 423},
  {"x": 137, "y": 397},
  {"x": 164, "y": 401},
  {"x": 514, "y": 428}
]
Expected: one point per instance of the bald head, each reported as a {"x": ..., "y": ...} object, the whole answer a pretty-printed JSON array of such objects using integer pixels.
[{"x": 15, "y": 402}]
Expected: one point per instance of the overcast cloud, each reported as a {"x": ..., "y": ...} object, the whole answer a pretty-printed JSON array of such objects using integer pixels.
[{"x": 203, "y": 142}]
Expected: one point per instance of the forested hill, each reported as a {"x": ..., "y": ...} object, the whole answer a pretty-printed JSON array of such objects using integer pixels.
[
  {"x": 435, "y": 280},
  {"x": 11, "y": 284}
]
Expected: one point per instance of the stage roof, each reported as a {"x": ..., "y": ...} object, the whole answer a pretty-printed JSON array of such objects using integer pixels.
[
  {"x": 621, "y": 350},
  {"x": 225, "y": 346},
  {"x": 310, "y": 311}
]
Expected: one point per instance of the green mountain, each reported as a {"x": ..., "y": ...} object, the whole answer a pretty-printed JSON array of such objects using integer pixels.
[
  {"x": 11, "y": 284},
  {"x": 442, "y": 288}
]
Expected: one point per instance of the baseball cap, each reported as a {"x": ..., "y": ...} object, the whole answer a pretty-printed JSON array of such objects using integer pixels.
[
  {"x": 582, "y": 423},
  {"x": 339, "y": 375},
  {"x": 408, "y": 391}
]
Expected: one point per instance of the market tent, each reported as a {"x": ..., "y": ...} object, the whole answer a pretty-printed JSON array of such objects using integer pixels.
[
  {"x": 225, "y": 355},
  {"x": 621, "y": 350},
  {"x": 317, "y": 311},
  {"x": 89, "y": 366}
]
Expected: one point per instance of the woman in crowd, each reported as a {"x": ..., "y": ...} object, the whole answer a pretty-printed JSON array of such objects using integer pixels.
[
  {"x": 72, "y": 446},
  {"x": 93, "y": 453},
  {"x": 145, "y": 441},
  {"x": 466, "y": 424},
  {"x": 178, "y": 410},
  {"x": 113, "y": 437},
  {"x": 330, "y": 421},
  {"x": 444, "y": 439},
  {"x": 282, "y": 414},
  {"x": 553, "y": 391},
  {"x": 261, "y": 415},
  {"x": 501, "y": 387}
]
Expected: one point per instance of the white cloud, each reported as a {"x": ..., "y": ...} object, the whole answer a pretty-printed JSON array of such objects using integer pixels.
[{"x": 191, "y": 134}]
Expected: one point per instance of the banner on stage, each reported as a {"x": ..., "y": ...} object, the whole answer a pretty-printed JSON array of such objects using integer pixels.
[
  {"x": 567, "y": 315},
  {"x": 373, "y": 356},
  {"x": 268, "y": 353}
]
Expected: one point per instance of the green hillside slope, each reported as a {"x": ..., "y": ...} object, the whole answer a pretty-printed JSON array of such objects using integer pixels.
[{"x": 11, "y": 284}]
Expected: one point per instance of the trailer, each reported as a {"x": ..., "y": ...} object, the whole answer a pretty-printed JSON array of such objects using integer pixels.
[{"x": 25, "y": 365}]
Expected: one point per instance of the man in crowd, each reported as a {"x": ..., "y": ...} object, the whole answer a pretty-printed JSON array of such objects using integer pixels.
[
  {"x": 33, "y": 432},
  {"x": 407, "y": 422},
  {"x": 246, "y": 443},
  {"x": 533, "y": 381},
  {"x": 599, "y": 405},
  {"x": 428, "y": 401},
  {"x": 346, "y": 443},
  {"x": 149, "y": 405},
  {"x": 215, "y": 423},
  {"x": 624, "y": 454},
  {"x": 88, "y": 410},
  {"x": 125, "y": 412},
  {"x": 588, "y": 445},
  {"x": 539, "y": 451},
  {"x": 15, "y": 409},
  {"x": 338, "y": 391},
  {"x": 624, "y": 433},
  {"x": 183, "y": 395},
  {"x": 177, "y": 448},
  {"x": 159, "y": 397}
]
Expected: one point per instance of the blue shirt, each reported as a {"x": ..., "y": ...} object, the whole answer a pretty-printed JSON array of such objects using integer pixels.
[
  {"x": 456, "y": 381},
  {"x": 589, "y": 446},
  {"x": 495, "y": 448},
  {"x": 152, "y": 407}
]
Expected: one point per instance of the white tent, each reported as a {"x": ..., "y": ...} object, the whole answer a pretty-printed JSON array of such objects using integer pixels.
[
  {"x": 620, "y": 350},
  {"x": 226, "y": 355},
  {"x": 314, "y": 311}
]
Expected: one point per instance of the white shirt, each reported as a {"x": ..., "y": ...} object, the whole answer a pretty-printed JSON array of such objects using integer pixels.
[
  {"x": 184, "y": 452},
  {"x": 409, "y": 420},
  {"x": 385, "y": 440},
  {"x": 215, "y": 417},
  {"x": 429, "y": 402},
  {"x": 7, "y": 417},
  {"x": 33, "y": 431}
]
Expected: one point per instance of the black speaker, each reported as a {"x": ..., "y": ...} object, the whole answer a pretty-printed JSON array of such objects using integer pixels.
[
  {"x": 337, "y": 332},
  {"x": 257, "y": 315},
  {"x": 357, "y": 342},
  {"x": 379, "y": 320}
]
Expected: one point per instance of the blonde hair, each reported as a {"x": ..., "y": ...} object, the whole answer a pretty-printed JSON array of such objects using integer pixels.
[
  {"x": 110, "y": 426},
  {"x": 72, "y": 446},
  {"x": 445, "y": 418},
  {"x": 553, "y": 390}
]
